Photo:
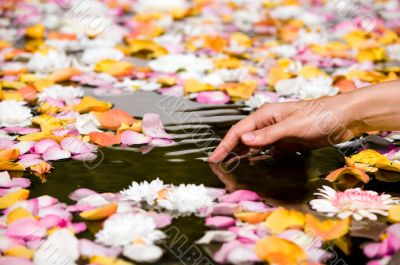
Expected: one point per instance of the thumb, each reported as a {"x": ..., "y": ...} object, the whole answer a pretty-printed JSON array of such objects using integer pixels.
[{"x": 268, "y": 135}]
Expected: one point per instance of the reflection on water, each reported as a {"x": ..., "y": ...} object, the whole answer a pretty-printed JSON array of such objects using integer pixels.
[{"x": 286, "y": 180}]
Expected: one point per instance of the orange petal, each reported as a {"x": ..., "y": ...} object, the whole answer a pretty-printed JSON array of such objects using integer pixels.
[
  {"x": 41, "y": 168},
  {"x": 9, "y": 154},
  {"x": 192, "y": 85},
  {"x": 328, "y": 229},
  {"x": 282, "y": 219},
  {"x": 11, "y": 198},
  {"x": 113, "y": 119},
  {"x": 394, "y": 214},
  {"x": 28, "y": 93},
  {"x": 100, "y": 213},
  {"x": 240, "y": 91},
  {"x": 115, "y": 68},
  {"x": 36, "y": 31},
  {"x": 104, "y": 139},
  {"x": 343, "y": 172},
  {"x": 345, "y": 85},
  {"x": 63, "y": 75},
  {"x": 7, "y": 165},
  {"x": 88, "y": 104},
  {"x": 17, "y": 214},
  {"x": 251, "y": 217},
  {"x": 279, "y": 251}
]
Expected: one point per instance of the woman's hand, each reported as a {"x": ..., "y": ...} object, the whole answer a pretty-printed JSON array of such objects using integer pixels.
[{"x": 316, "y": 123}]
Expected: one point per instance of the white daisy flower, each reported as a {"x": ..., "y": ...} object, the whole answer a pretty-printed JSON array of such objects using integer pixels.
[
  {"x": 128, "y": 228},
  {"x": 95, "y": 55},
  {"x": 143, "y": 191},
  {"x": 160, "y": 6},
  {"x": 393, "y": 52},
  {"x": 138, "y": 85},
  {"x": 59, "y": 92},
  {"x": 14, "y": 113},
  {"x": 356, "y": 203},
  {"x": 48, "y": 62},
  {"x": 301, "y": 88},
  {"x": 186, "y": 199}
]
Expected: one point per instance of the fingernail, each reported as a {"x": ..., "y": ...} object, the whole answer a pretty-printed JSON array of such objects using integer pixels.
[{"x": 249, "y": 137}]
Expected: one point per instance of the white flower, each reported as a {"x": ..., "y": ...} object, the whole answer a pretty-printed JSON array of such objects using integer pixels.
[
  {"x": 245, "y": 19},
  {"x": 127, "y": 228},
  {"x": 143, "y": 253},
  {"x": 285, "y": 50},
  {"x": 186, "y": 199},
  {"x": 143, "y": 191},
  {"x": 160, "y": 6},
  {"x": 286, "y": 12},
  {"x": 87, "y": 123},
  {"x": 48, "y": 62},
  {"x": 95, "y": 55},
  {"x": 189, "y": 62},
  {"x": 257, "y": 100},
  {"x": 306, "y": 88},
  {"x": 393, "y": 52},
  {"x": 356, "y": 203},
  {"x": 14, "y": 113},
  {"x": 58, "y": 92},
  {"x": 13, "y": 66},
  {"x": 138, "y": 85}
]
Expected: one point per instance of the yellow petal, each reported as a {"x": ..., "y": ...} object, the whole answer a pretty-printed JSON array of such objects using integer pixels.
[
  {"x": 17, "y": 214},
  {"x": 309, "y": 71},
  {"x": 36, "y": 31},
  {"x": 152, "y": 49},
  {"x": 240, "y": 90},
  {"x": 7, "y": 165},
  {"x": 88, "y": 104},
  {"x": 227, "y": 63},
  {"x": 113, "y": 67},
  {"x": 100, "y": 213},
  {"x": 102, "y": 260},
  {"x": 9, "y": 154},
  {"x": 19, "y": 251},
  {"x": 279, "y": 251},
  {"x": 394, "y": 214},
  {"x": 11, "y": 198},
  {"x": 192, "y": 85},
  {"x": 371, "y": 54},
  {"x": 276, "y": 74},
  {"x": 369, "y": 157},
  {"x": 328, "y": 229},
  {"x": 282, "y": 219}
]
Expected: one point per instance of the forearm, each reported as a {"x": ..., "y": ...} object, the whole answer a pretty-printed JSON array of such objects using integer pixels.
[{"x": 376, "y": 108}]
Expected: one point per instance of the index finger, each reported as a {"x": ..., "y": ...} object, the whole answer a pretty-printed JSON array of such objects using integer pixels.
[{"x": 232, "y": 138}]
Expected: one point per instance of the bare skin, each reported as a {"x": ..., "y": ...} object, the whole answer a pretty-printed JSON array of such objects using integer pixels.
[{"x": 316, "y": 123}]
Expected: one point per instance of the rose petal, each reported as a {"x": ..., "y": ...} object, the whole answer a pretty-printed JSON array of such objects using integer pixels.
[
  {"x": 240, "y": 195},
  {"x": 143, "y": 253},
  {"x": 27, "y": 229},
  {"x": 56, "y": 153},
  {"x": 212, "y": 97},
  {"x": 152, "y": 126},
  {"x": 220, "y": 221},
  {"x": 89, "y": 249},
  {"x": 41, "y": 146},
  {"x": 131, "y": 138},
  {"x": 14, "y": 261}
]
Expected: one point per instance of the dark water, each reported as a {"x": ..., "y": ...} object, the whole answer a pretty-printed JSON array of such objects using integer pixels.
[{"x": 289, "y": 180}]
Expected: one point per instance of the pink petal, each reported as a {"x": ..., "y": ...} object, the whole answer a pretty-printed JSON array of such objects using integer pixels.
[
  {"x": 24, "y": 146},
  {"x": 236, "y": 253},
  {"x": 174, "y": 91},
  {"x": 27, "y": 229},
  {"x": 131, "y": 138},
  {"x": 50, "y": 221},
  {"x": 162, "y": 219},
  {"x": 81, "y": 193},
  {"x": 251, "y": 206},
  {"x": 21, "y": 130},
  {"x": 212, "y": 97},
  {"x": 85, "y": 157},
  {"x": 7, "y": 182},
  {"x": 14, "y": 261},
  {"x": 240, "y": 195},
  {"x": 46, "y": 201},
  {"x": 223, "y": 208},
  {"x": 152, "y": 126},
  {"x": 41, "y": 146},
  {"x": 89, "y": 249},
  {"x": 161, "y": 142},
  {"x": 56, "y": 153},
  {"x": 6, "y": 143},
  {"x": 27, "y": 162},
  {"x": 79, "y": 227},
  {"x": 220, "y": 221},
  {"x": 76, "y": 146}
]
